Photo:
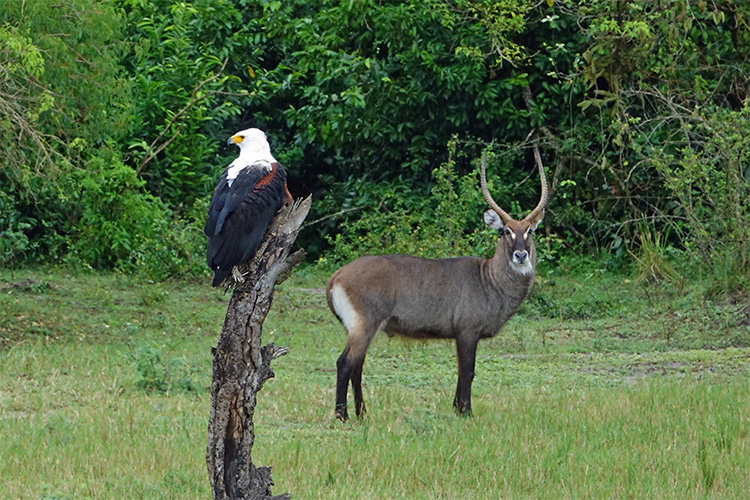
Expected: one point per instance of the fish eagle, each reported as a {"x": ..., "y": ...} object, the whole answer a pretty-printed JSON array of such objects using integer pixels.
[{"x": 249, "y": 193}]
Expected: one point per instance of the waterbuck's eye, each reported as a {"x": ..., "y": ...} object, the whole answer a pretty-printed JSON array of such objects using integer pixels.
[{"x": 507, "y": 231}]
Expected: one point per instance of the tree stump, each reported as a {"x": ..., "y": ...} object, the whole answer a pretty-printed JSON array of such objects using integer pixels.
[{"x": 241, "y": 365}]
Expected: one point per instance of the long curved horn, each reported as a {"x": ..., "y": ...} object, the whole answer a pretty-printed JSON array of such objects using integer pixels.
[
  {"x": 537, "y": 212},
  {"x": 486, "y": 193}
]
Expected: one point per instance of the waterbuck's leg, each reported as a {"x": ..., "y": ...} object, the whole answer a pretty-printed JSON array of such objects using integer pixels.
[
  {"x": 343, "y": 375},
  {"x": 349, "y": 367},
  {"x": 466, "y": 351},
  {"x": 359, "y": 404}
]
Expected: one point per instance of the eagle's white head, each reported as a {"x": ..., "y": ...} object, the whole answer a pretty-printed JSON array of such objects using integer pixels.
[{"x": 254, "y": 152}]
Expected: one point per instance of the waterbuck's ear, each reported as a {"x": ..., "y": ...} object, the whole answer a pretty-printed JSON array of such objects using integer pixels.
[
  {"x": 535, "y": 223},
  {"x": 493, "y": 220}
]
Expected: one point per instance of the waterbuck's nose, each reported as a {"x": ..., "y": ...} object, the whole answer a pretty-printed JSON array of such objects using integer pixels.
[{"x": 520, "y": 256}]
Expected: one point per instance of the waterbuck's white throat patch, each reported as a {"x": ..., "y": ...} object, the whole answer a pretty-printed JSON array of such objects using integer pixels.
[
  {"x": 525, "y": 268},
  {"x": 344, "y": 309}
]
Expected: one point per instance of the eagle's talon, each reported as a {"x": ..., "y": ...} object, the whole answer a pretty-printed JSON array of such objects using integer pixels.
[{"x": 237, "y": 275}]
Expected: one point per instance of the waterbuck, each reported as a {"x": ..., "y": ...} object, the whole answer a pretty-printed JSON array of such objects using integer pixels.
[{"x": 462, "y": 298}]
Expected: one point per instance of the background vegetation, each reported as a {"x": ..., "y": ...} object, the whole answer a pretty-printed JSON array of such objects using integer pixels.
[{"x": 115, "y": 114}]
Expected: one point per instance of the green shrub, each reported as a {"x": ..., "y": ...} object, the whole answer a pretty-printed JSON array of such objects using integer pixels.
[
  {"x": 157, "y": 375},
  {"x": 14, "y": 242},
  {"x": 651, "y": 262},
  {"x": 122, "y": 226},
  {"x": 116, "y": 214},
  {"x": 709, "y": 178},
  {"x": 178, "y": 249}
]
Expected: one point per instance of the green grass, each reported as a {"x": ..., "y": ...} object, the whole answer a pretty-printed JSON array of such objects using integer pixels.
[{"x": 599, "y": 388}]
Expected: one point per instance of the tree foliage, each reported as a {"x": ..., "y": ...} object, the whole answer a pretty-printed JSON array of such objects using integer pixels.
[
  {"x": 60, "y": 95},
  {"x": 670, "y": 82},
  {"x": 185, "y": 91},
  {"x": 381, "y": 110}
]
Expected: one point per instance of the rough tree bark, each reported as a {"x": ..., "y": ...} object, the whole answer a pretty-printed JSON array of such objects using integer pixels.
[{"x": 241, "y": 365}]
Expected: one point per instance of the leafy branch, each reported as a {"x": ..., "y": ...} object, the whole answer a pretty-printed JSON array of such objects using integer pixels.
[{"x": 195, "y": 98}]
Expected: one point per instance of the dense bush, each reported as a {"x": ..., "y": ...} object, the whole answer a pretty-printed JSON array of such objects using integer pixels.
[
  {"x": 61, "y": 98},
  {"x": 186, "y": 66},
  {"x": 68, "y": 193},
  {"x": 373, "y": 92},
  {"x": 708, "y": 177},
  {"x": 122, "y": 226},
  {"x": 116, "y": 112}
]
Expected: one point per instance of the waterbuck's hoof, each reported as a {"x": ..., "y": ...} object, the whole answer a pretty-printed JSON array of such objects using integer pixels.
[
  {"x": 361, "y": 410},
  {"x": 342, "y": 414},
  {"x": 462, "y": 411}
]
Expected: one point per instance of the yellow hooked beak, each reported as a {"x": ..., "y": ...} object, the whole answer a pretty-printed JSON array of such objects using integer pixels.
[{"x": 235, "y": 139}]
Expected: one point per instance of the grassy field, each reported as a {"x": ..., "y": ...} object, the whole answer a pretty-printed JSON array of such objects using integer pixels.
[{"x": 599, "y": 388}]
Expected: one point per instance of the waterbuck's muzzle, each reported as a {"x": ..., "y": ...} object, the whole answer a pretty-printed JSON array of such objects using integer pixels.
[{"x": 520, "y": 256}]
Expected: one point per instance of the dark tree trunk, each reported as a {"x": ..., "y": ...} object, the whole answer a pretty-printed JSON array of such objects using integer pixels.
[{"x": 241, "y": 365}]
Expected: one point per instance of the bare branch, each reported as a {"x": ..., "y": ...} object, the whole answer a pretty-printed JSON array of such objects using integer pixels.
[{"x": 331, "y": 216}]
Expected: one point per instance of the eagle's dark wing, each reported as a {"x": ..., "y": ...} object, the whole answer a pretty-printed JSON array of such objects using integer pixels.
[
  {"x": 238, "y": 216},
  {"x": 226, "y": 198},
  {"x": 217, "y": 204}
]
